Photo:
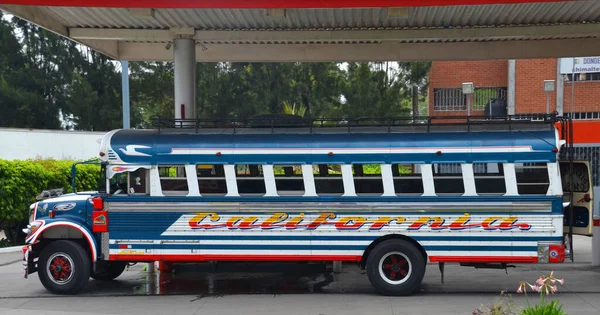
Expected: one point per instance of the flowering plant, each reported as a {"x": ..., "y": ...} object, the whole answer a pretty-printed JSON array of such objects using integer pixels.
[{"x": 544, "y": 285}]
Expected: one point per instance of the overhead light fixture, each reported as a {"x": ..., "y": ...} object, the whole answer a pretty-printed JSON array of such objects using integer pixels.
[
  {"x": 398, "y": 12},
  {"x": 142, "y": 13},
  {"x": 275, "y": 12}
]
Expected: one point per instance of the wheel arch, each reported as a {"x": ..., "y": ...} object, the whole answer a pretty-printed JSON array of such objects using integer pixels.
[
  {"x": 63, "y": 230},
  {"x": 363, "y": 260}
]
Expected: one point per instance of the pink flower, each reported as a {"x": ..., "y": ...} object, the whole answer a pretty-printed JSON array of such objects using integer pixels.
[
  {"x": 536, "y": 288},
  {"x": 554, "y": 288},
  {"x": 561, "y": 281},
  {"x": 519, "y": 290},
  {"x": 553, "y": 281},
  {"x": 540, "y": 281}
]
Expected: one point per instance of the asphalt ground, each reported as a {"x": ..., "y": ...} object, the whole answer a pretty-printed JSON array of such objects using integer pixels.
[{"x": 295, "y": 289}]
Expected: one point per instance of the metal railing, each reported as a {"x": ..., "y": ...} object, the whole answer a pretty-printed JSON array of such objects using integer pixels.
[{"x": 390, "y": 124}]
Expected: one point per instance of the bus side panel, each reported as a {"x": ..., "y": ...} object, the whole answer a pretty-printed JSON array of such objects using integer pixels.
[{"x": 449, "y": 232}]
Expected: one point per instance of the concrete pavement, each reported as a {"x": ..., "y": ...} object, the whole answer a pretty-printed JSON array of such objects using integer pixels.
[{"x": 239, "y": 289}]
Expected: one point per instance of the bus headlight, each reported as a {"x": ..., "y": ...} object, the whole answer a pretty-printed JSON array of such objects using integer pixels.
[{"x": 31, "y": 228}]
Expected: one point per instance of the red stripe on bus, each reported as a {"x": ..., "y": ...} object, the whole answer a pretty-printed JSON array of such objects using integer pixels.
[
  {"x": 484, "y": 259},
  {"x": 222, "y": 257},
  {"x": 596, "y": 222},
  {"x": 262, "y": 4}
]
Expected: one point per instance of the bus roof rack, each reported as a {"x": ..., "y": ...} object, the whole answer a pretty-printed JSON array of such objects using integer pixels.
[{"x": 295, "y": 124}]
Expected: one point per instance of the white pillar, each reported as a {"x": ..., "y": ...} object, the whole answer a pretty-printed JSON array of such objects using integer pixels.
[
  {"x": 184, "y": 59},
  {"x": 560, "y": 89},
  {"x": 510, "y": 98}
]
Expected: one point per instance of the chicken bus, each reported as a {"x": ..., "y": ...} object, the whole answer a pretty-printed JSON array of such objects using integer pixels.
[{"x": 391, "y": 196}]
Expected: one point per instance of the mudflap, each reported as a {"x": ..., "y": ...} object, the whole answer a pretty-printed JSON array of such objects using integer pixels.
[{"x": 29, "y": 265}]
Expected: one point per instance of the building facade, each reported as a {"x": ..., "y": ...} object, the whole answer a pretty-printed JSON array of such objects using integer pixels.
[{"x": 519, "y": 85}]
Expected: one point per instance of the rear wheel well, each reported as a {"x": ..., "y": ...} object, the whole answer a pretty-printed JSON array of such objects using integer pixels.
[{"x": 363, "y": 260}]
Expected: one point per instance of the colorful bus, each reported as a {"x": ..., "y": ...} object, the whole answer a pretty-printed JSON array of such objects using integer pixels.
[{"x": 390, "y": 197}]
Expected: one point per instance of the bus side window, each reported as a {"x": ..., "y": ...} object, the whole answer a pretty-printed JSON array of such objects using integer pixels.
[
  {"x": 328, "y": 179},
  {"x": 447, "y": 178},
  {"x": 407, "y": 179},
  {"x": 489, "y": 178},
  {"x": 367, "y": 179},
  {"x": 138, "y": 182},
  {"x": 532, "y": 178},
  {"x": 211, "y": 179},
  {"x": 173, "y": 180},
  {"x": 250, "y": 179},
  {"x": 289, "y": 180}
]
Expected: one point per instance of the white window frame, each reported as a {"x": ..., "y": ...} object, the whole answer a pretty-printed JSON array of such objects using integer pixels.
[
  {"x": 348, "y": 180},
  {"x": 427, "y": 177},
  {"x": 310, "y": 189}
]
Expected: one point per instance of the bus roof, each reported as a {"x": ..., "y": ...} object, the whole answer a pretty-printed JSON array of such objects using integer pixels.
[{"x": 333, "y": 146}]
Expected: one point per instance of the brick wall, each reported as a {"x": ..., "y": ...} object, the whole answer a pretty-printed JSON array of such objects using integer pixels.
[
  {"x": 529, "y": 85},
  {"x": 587, "y": 96},
  {"x": 452, "y": 74},
  {"x": 529, "y": 94}
]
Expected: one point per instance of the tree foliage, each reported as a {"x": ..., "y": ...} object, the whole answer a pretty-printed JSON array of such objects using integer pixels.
[
  {"x": 47, "y": 81},
  {"x": 21, "y": 181}
]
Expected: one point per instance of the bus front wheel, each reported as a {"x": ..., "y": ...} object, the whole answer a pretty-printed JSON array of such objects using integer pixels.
[
  {"x": 64, "y": 267},
  {"x": 395, "y": 267}
]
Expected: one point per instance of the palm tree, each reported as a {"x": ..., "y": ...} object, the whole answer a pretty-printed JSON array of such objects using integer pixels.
[{"x": 291, "y": 109}]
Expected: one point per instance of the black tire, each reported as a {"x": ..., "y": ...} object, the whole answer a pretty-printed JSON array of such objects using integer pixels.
[
  {"x": 395, "y": 267},
  {"x": 110, "y": 271},
  {"x": 53, "y": 270}
]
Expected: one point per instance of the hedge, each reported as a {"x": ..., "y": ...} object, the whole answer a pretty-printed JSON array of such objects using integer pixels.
[{"x": 22, "y": 181}]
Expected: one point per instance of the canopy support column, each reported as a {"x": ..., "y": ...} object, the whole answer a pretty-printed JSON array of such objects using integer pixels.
[{"x": 184, "y": 59}]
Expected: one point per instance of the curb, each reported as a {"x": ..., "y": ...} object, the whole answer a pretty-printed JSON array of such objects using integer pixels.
[{"x": 13, "y": 249}]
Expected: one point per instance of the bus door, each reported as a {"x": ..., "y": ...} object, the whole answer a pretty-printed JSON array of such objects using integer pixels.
[{"x": 580, "y": 183}]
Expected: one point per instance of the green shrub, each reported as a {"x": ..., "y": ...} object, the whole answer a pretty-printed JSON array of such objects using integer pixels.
[{"x": 21, "y": 181}]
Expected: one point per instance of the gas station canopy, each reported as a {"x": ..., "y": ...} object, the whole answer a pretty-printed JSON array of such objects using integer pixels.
[{"x": 323, "y": 30}]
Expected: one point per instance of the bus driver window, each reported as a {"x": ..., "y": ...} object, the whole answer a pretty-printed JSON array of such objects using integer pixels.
[{"x": 129, "y": 183}]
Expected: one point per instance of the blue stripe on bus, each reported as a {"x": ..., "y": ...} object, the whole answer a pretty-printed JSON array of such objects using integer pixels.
[
  {"x": 207, "y": 236},
  {"x": 319, "y": 247},
  {"x": 344, "y": 158}
]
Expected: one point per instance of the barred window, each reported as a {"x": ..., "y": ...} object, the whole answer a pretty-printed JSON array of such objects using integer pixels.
[
  {"x": 450, "y": 99},
  {"x": 584, "y": 115},
  {"x": 593, "y": 76},
  {"x": 483, "y": 96}
]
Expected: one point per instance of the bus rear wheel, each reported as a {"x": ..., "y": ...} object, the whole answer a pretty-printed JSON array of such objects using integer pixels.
[
  {"x": 64, "y": 267},
  {"x": 395, "y": 267}
]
